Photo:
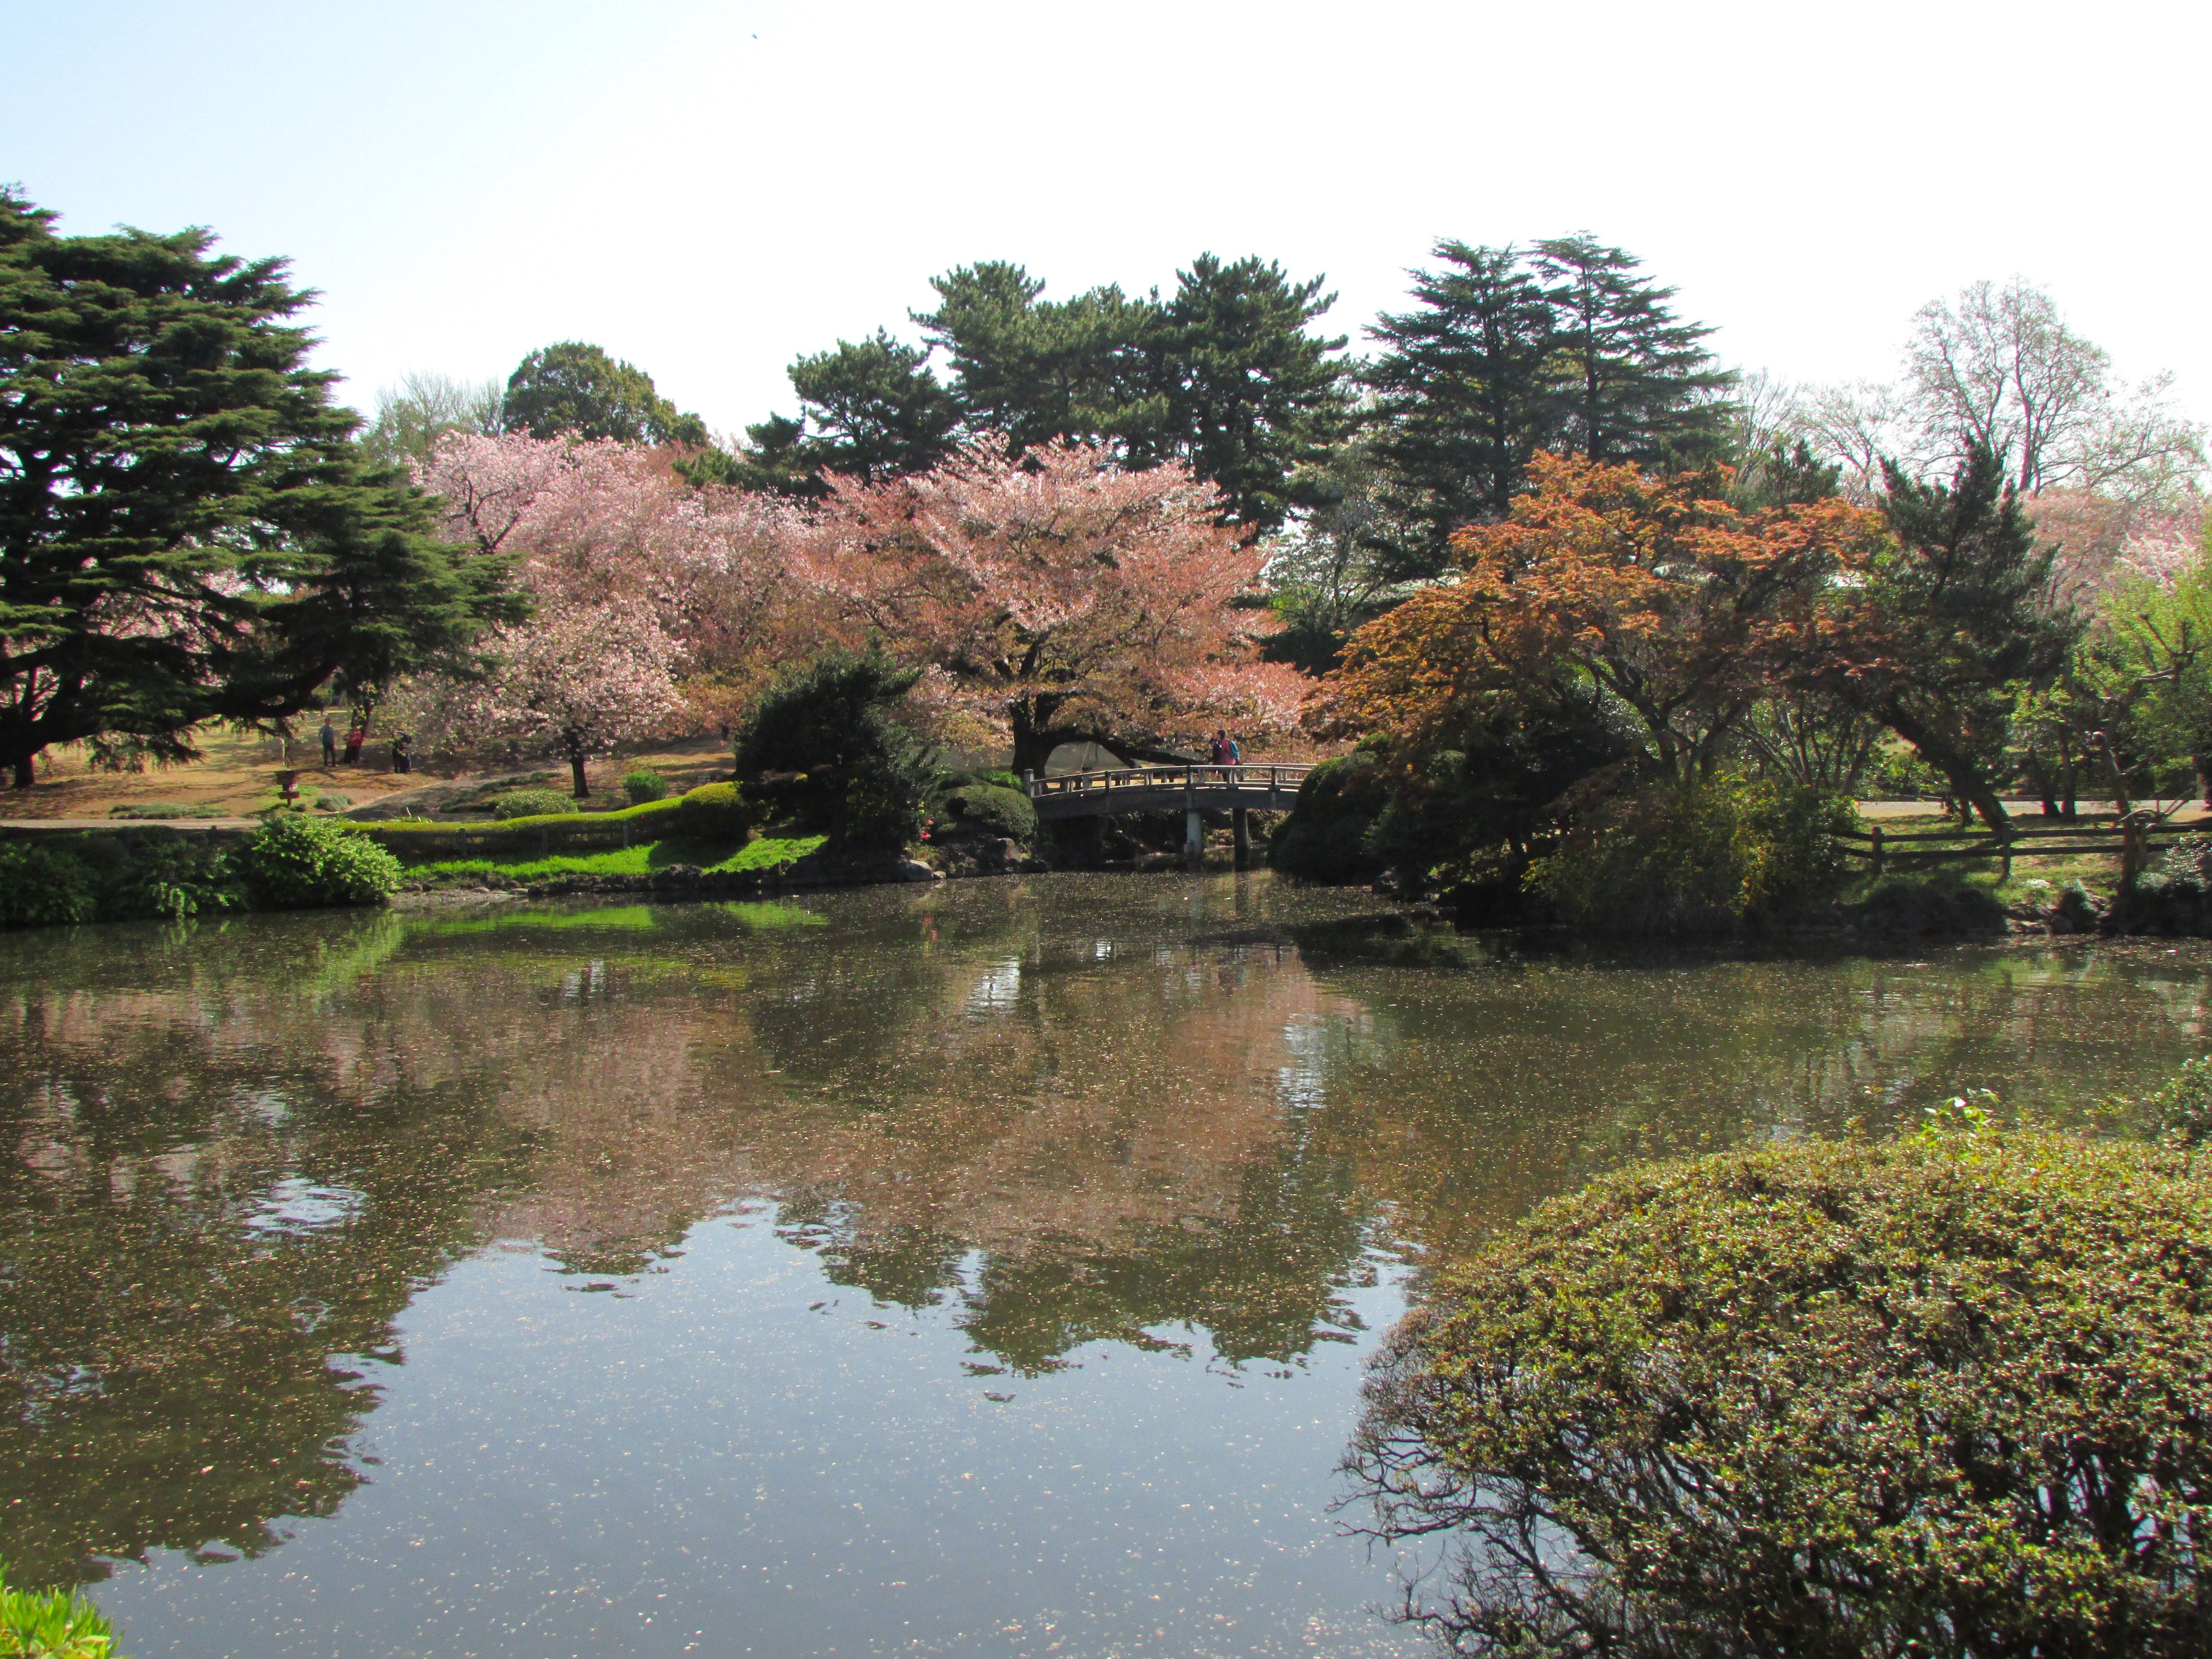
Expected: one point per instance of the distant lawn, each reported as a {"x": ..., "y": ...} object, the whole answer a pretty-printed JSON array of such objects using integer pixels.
[{"x": 768, "y": 853}]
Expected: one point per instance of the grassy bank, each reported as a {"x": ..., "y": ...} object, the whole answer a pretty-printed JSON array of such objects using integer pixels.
[{"x": 768, "y": 853}]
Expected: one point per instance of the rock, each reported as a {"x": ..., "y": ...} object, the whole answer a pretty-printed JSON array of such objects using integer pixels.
[{"x": 915, "y": 870}]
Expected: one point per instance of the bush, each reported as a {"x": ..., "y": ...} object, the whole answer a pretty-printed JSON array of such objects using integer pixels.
[
  {"x": 717, "y": 812},
  {"x": 53, "y": 1625},
  {"x": 331, "y": 801},
  {"x": 294, "y": 863},
  {"x": 1325, "y": 838},
  {"x": 530, "y": 803},
  {"x": 1948, "y": 1396},
  {"x": 644, "y": 784},
  {"x": 993, "y": 811},
  {"x": 1701, "y": 859},
  {"x": 43, "y": 885},
  {"x": 106, "y": 876},
  {"x": 821, "y": 746}
]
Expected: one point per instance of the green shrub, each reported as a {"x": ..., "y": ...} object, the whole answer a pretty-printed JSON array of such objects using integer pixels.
[
  {"x": 52, "y": 1625},
  {"x": 717, "y": 812},
  {"x": 331, "y": 801},
  {"x": 1699, "y": 859},
  {"x": 42, "y": 885},
  {"x": 1325, "y": 838},
  {"x": 994, "y": 811},
  {"x": 292, "y": 863},
  {"x": 530, "y": 803},
  {"x": 2179, "y": 1115},
  {"x": 821, "y": 747},
  {"x": 1951, "y": 1395},
  {"x": 105, "y": 876},
  {"x": 644, "y": 784}
]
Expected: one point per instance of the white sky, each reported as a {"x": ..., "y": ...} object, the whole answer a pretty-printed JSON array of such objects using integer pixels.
[{"x": 709, "y": 189}]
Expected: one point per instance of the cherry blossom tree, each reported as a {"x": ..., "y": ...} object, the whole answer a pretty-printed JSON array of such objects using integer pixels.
[
  {"x": 637, "y": 578},
  {"x": 1058, "y": 599}
]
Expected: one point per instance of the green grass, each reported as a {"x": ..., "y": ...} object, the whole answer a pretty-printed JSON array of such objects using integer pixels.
[{"x": 768, "y": 853}]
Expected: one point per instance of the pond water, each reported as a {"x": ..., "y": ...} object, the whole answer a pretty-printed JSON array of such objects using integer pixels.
[{"x": 982, "y": 1269}]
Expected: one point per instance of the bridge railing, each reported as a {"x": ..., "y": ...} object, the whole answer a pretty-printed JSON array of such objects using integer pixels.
[{"x": 1274, "y": 780}]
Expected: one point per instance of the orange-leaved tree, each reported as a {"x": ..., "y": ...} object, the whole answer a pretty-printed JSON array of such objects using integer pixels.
[
  {"x": 1057, "y": 597},
  {"x": 1681, "y": 607}
]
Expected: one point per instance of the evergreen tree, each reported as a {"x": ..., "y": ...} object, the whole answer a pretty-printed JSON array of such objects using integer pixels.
[
  {"x": 1953, "y": 625},
  {"x": 1464, "y": 397},
  {"x": 1252, "y": 396},
  {"x": 1083, "y": 368},
  {"x": 574, "y": 387},
  {"x": 1634, "y": 383},
  {"x": 187, "y": 532},
  {"x": 871, "y": 410}
]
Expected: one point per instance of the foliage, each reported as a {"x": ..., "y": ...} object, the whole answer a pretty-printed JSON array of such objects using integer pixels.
[
  {"x": 52, "y": 1625},
  {"x": 1681, "y": 608},
  {"x": 1944, "y": 1396},
  {"x": 187, "y": 532},
  {"x": 2178, "y": 1113},
  {"x": 644, "y": 784},
  {"x": 332, "y": 800},
  {"x": 822, "y": 745},
  {"x": 156, "y": 809},
  {"x": 412, "y": 417},
  {"x": 870, "y": 410},
  {"x": 1701, "y": 857},
  {"x": 717, "y": 811},
  {"x": 1508, "y": 354},
  {"x": 1325, "y": 838},
  {"x": 994, "y": 810},
  {"x": 636, "y": 576},
  {"x": 1223, "y": 377},
  {"x": 571, "y": 387},
  {"x": 99, "y": 876},
  {"x": 294, "y": 863},
  {"x": 1950, "y": 626},
  {"x": 530, "y": 803},
  {"x": 1329, "y": 571},
  {"x": 1058, "y": 599}
]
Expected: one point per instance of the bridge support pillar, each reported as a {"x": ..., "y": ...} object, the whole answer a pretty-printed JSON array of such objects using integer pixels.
[
  {"x": 1194, "y": 837},
  {"x": 1241, "y": 817}
]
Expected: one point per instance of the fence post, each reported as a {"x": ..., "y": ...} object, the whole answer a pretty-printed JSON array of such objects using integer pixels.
[{"x": 1877, "y": 849}]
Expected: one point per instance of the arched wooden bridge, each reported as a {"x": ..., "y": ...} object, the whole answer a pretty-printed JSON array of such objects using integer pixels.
[{"x": 1166, "y": 789}]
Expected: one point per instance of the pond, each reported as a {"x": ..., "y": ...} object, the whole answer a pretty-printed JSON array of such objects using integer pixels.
[{"x": 981, "y": 1269}]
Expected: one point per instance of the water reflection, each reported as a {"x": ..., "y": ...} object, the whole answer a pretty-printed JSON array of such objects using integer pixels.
[{"x": 1184, "y": 1118}]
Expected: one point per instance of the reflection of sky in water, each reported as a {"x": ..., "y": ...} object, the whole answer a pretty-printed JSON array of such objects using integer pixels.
[
  {"x": 296, "y": 1206},
  {"x": 739, "y": 1456},
  {"x": 997, "y": 988}
]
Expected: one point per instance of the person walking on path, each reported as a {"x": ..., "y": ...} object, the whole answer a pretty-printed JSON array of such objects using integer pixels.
[
  {"x": 354, "y": 739},
  {"x": 329, "y": 735},
  {"x": 403, "y": 758}
]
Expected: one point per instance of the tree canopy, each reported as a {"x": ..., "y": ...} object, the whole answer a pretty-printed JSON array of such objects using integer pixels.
[
  {"x": 574, "y": 387},
  {"x": 187, "y": 532}
]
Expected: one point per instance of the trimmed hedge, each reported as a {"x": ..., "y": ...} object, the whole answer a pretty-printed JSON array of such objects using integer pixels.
[
  {"x": 1951, "y": 1395},
  {"x": 530, "y": 804},
  {"x": 644, "y": 784},
  {"x": 417, "y": 839},
  {"x": 993, "y": 811},
  {"x": 717, "y": 812}
]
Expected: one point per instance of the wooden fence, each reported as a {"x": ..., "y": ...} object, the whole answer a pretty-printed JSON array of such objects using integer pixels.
[{"x": 2132, "y": 841}]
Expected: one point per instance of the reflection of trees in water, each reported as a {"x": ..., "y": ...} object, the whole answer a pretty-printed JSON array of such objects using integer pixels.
[
  {"x": 207, "y": 1234},
  {"x": 1074, "y": 1114}
]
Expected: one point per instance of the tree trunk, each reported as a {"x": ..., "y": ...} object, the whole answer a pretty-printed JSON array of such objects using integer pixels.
[
  {"x": 1968, "y": 786},
  {"x": 26, "y": 771},
  {"x": 576, "y": 766}
]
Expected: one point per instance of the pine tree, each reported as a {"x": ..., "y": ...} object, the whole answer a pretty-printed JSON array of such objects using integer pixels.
[
  {"x": 187, "y": 532},
  {"x": 1634, "y": 383},
  {"x": 1252, "y": 397},
  {"x": 1463, "y": 398},
  {"x": 1084, "y": 369}
]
